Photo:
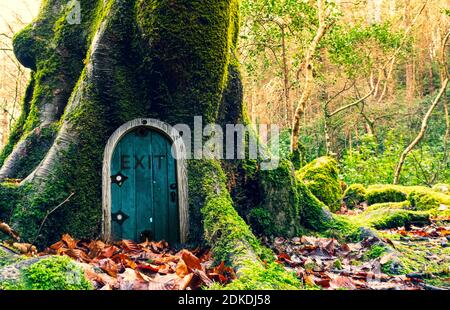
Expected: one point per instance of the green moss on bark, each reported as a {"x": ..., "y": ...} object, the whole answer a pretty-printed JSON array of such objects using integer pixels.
[
  {"x": 9, "y": 195},
  {"x": 188, "y": 48}
]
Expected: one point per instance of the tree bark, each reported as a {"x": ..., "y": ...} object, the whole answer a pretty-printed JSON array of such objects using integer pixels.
[{"x": 171, "y": 60}]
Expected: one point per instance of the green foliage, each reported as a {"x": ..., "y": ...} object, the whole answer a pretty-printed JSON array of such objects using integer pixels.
[
  {"x": 373, "y": 160},
  {"x": 53, "y": 273},
  {"x": 376, "y": 251},
  {"x": 321, "y": 177},
  {"x": 354, "y": 47},
  {"x": 385, "y": 193},
  {"x": 354, "y": 195}
]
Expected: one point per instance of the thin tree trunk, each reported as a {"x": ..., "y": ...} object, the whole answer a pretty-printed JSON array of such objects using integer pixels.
[
  {"x": 287, "y": 100},
  {"x": 309, "y": 74},
  {"x": 419, "y": 137}
]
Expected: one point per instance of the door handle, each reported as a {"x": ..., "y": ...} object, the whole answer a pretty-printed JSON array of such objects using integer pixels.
[{"x": 173, "y": 196}]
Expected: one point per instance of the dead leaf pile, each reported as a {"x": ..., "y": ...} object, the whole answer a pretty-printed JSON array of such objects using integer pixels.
[
  {"x": 327, "y": 263},
  {"x": 430, "y": 231},
  {"x": 126, "y": 265}
]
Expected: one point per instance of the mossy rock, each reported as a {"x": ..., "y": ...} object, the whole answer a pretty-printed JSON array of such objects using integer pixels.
[
  {"x": 50, "y": 273},
  {"x": 429, "y": 200},
  {"x": 390, "y": 205},
  {"x": 354, "y": 195},
  {"x": 442, "y": 188},
  {"x": 386, "y": 193},
  {"x": 385, "y": 218},
  {"x": 321, "y": 176}
]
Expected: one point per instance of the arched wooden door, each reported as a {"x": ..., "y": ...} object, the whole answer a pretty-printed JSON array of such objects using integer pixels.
[{"x": 144, "y": 191}]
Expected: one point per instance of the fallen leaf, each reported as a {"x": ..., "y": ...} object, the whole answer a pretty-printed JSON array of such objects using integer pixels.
[
  {"x": 58, "y": 245},
  {"x": 6, "y": 229},
  {"x": 108, "y": 266},
  {"x": 69, "y": 241},
  {"x": 185, "y": 282},
  {"x": 149, "y": 268},
  {"x": 130, "y": 246},
  {"x": 182, "y": 269},
  {"x": 25, "y": 248},
  {"x": 309, "y": 280},
  {"x": 342, "y": 282},
  {"x": 192, "y": 262},
  {"x": 78, "y": 254}
]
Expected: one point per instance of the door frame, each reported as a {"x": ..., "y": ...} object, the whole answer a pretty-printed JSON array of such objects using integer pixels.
[{"x": 180, "y": 162}]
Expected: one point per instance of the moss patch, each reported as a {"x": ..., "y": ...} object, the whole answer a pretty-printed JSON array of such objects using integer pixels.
[
  {"x": 385, "y": 217},
  {"x": 271, "y": 277},
  {"x": 427, "y": 200},
  {"x": 354, "y": 195},
  {"x": 53, "y": 273},
  {"x": 321, "y": 177},
  {"x": 384, "y": 194},
  {"x": 9, "y": 195}
]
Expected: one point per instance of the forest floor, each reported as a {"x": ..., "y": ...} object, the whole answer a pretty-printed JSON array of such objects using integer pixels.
[{"x": 415, "y": 258}]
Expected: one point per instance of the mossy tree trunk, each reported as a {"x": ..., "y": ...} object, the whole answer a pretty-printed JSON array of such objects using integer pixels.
[{"x": 166, "y": 59}]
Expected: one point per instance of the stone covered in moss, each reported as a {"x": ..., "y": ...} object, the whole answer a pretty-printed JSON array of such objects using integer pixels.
[
  {"x": 442, "y": 188},
  {"x": 385, "y": 193},
  {"x": 390, "y": 205},
  {"x": 385, "y": 217},
  {"x": 52, "y": 273},
  {"x": 354, "y": 195},
  {"x": 321, "y": 176},
  {"x": 427, "y": 200}
]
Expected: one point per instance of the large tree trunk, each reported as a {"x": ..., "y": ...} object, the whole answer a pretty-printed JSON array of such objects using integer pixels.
[{"x": 168, "y": 59}]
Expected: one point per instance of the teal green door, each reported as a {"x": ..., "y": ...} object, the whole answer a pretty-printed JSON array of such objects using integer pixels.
[{"x": 144, "y": 197}]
